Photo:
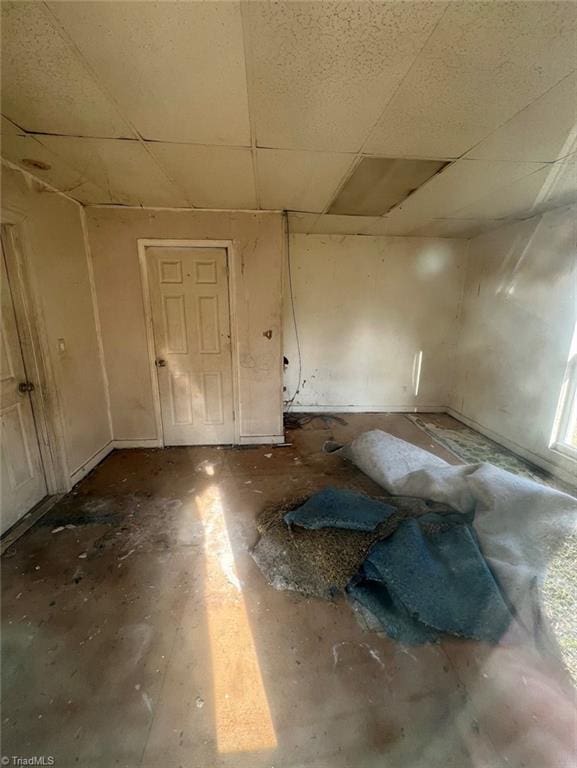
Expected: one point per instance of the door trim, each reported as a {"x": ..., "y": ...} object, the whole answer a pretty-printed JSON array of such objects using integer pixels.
[
  {"x": 228, "y": 246},
  {"x": 45, "y": 403}
]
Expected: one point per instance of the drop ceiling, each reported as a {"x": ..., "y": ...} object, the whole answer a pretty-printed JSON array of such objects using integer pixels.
[{"x": 259, "y": 105}]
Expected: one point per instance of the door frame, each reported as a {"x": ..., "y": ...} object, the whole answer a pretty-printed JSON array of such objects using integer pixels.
[
  {"x": 228, "y": 246},
  {"x": 46, "y": 410}
]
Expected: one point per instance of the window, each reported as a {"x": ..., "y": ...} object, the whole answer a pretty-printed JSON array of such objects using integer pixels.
[{"x": 565, "y": 435}]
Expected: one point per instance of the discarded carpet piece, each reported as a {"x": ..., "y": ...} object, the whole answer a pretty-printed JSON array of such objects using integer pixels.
[
  {"x": 419, "y": 582},
  {"x": 320, "y": 563},
  {"x": 420, "y": 585},
  {"x": 332, "y": 508},
  {"x": 520, "y": 524}
]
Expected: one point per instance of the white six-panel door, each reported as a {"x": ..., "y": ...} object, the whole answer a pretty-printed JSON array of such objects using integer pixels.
[
  {"x": 22, "y": 482},
  {"x": 191, "y": 323}
]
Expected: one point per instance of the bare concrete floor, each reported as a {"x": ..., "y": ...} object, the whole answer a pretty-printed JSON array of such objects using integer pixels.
[{"x": 145, "y": 635}]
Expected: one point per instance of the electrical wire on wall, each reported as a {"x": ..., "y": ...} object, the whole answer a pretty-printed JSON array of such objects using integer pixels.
[{"x": 300, "y": 362}]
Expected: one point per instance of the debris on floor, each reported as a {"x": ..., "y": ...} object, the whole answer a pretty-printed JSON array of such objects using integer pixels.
[
  {"x": 160, "y": 627},
  {"x": 299, "y": 421},
  {"x": 418, "y": 571},
  {"x": 321, "y": 562},
  {"x": 472, "y": 448},
  {"x": 520, "y": 524},
  {"x": 462, "y": 555}
]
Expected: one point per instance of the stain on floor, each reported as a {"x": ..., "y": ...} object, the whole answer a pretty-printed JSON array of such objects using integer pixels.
[{"x": 138, "y": 631}]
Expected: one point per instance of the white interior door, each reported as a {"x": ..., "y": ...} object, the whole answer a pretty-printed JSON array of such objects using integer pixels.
[
  {"x": 21, "y": 475},
  {"x": 191, "y": 323}
]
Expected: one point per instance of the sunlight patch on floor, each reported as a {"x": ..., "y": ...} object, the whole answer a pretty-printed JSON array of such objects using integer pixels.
[{"x": 242, "y": 716}]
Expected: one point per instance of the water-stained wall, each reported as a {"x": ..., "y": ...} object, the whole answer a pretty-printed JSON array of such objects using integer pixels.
[{"x": 377, "y": 321}]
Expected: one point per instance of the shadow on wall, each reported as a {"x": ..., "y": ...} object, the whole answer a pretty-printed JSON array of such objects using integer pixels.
[
  {"x": 519, "y": 312},
  {"x": 558, "y": 262}
]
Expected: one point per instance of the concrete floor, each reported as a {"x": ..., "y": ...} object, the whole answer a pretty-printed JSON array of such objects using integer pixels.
[{"x": 146, "y": 636}]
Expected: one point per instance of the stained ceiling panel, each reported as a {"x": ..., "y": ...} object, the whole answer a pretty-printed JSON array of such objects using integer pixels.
[
  {"x": 45, "y": 87},
  {"x": 27, "y": 153},
  {"x": 177, "y": 69},
  {"x": 124, "y": 170},
  {"x": 304, "y": 181},
  {"x": 211, "y": 177},
  {"x": 483, "y": 63},
  {"x": 321, "y": 73},
  {"x": 378, "y": 184}
]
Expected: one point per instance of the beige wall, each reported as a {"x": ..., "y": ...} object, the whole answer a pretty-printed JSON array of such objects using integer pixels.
[
  {"x": 519, "y": 315},
  {"x": 257, "y": 271},
  {"x": 53, "y": 243},
  {"x": 366, "y": 309}
]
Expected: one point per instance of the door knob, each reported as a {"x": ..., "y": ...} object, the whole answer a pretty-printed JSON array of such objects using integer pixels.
[
  {"x": 160, "y": 363},
  {"x": 25, "y": 386}
]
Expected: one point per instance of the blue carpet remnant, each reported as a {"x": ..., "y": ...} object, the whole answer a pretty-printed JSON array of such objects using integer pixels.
[
  {"x": 331, "y": 508},
  {"x": 418, "y": 582}
]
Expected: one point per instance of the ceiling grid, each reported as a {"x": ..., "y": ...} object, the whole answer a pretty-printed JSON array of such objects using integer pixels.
[{"x": 268, "y": 106}]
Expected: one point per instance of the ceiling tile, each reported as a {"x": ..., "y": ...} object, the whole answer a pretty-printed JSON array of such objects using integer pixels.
[
  {"x": 177, "y": 69},
  {"x": 345, "y": 225},
  {"x": 27, "y": 153},
  {"x": 211, "y": 177},
  {"x": 302, "y": 181},
  {"x": 483, "y": 63},
  {"x": 455, "y": 228},
  {"x": 554, "y": 185},
  {"x": 123, "y": 169},
  {"x": 370, "y": 225},
  {"x": 380, "y": 183},
  {"x": 387, "y": 226},
  {"x": 321, "y": 73},
  {"x": 8, "y": 127},
  {"x": 301, "y": 223},
  {"x": 45, "y": 87},
  {"x": 461, "y": 183},
  {"x": 545, "y": 130}
]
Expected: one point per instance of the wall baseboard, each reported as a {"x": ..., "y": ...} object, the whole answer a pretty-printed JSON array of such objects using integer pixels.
[
  {"x": 261, "y": 439},
  {"x": 155, "y": 443},
  {"x": 152, "y": 442},
  {"x": 534, "y": 458},
  {"x": 367, "y": 409},
  {"x": 26, "y": 522},
  {"x": 565, "y": 475},
  {"x": 89, "y": 465}
]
